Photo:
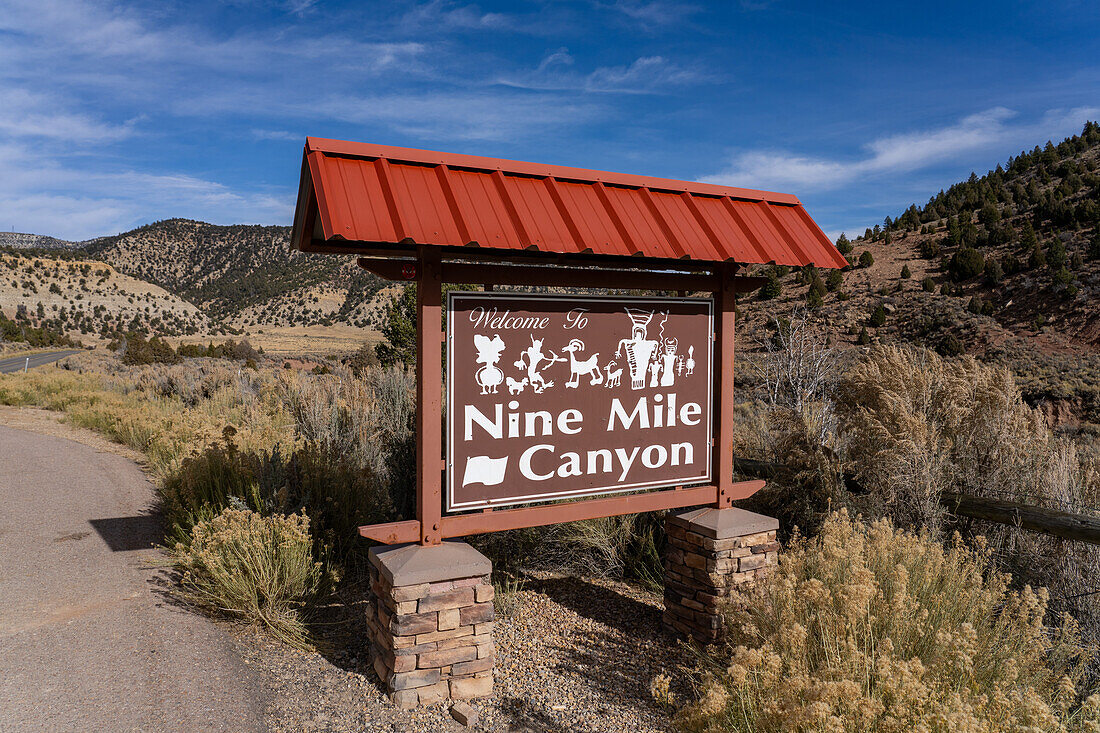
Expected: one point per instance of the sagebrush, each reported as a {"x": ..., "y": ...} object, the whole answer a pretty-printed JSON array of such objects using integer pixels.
[{"x": 871, "y": 628}]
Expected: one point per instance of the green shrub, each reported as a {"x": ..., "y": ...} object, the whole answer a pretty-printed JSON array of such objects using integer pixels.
[
  {"x": 878, "y": 316},
  {"x": 928, "y": 285},
  {"x": 834, "y": 280},
  {"x": 864, "y": 337},
  {"x": 843, "y": 244},
  {"x": 772, "y": 288},
  {"x": 256, "y": 568},
  {"x": 994, "y": 273},
  {"x": 930, "y": 249},
  {"x": 866, "y": 259},
  {"x": 966, "y": 263},
  {"x": 868, "y": 628},
  {"x": 905, "y": 272}
]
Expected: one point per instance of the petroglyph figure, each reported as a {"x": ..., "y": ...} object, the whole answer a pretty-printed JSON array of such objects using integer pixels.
[
  {"x": 515, "y": 387},
  {"x": 691, "y": 360},
  {"x": 614, "y": 373},
  {"x": 589, "y": 367},
  {"x": 639, "y": 349},
  {"x": 488, "y": 376},
  {"x": 536, "y": 362}
]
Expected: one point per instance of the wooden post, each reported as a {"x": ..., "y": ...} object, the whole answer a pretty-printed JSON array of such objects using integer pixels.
[
  {"x": 429, "y": 391},
  {"x": 722, "y": 457}
]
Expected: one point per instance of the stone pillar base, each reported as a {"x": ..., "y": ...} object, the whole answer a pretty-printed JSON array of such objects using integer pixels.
[
  {"x": 710, "y": 552},
  {"x": 431, "y": 622}
]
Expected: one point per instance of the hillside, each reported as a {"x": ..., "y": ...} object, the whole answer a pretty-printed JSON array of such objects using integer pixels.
[
  {"x": 1005, "y": 267},
  {"x": 247, "y": 275},
  {"x": 90, "y": 298}
]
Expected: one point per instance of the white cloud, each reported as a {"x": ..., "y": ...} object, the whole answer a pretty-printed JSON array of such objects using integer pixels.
[
  {"x": 988, "y": 131},
  {"x": 654, "y": 13},
  {"x": 458, "y": 115},
  {"x": 276, "y": 135},
  {"x": 443, "y": 14},
  {"x": 47, "y": 196},
  {"x": 644, "y": 75}
]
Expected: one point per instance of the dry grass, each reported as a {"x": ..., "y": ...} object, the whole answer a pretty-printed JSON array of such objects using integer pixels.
[
  {"x": 167, "y": 413},
  {"x": 868, "y": 628},
  {"x": 256, "y": 568}
]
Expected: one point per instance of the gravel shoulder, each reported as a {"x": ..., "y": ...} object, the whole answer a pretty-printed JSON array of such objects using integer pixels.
[{"x": 573, "y": 655}]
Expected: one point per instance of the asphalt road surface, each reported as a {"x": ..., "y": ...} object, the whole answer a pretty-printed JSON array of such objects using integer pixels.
[
  {"x": 88, "y": 640},
  {"x": 18, "y": 363}
]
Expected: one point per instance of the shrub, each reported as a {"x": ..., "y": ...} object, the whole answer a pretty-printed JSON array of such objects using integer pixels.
[
  {"x": 994, "y": 273},
  {"x": 878, "y": 316},
  {"x": 843, "y": 244},
  {"x": 905, "y": 272},
  {"x": 930, "y": 249},
  {"x": 866, "y": 259},
  {"x": 864, "y": 337},
  {"x": 256, "y": 568},
  {"x": 153, "y": 351},
  {"x": 867, "y": 628},
  {"x": 772, "y": 288},
  {"x": 928, "y": 284},
  {"x": 966, "y": 263},
  {"x": 813, "y": 298},
  {"x": 834, "y": 280}
]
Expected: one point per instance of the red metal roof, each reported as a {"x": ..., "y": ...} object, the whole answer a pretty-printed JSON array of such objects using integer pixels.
[{"x": 362, "y": 193}]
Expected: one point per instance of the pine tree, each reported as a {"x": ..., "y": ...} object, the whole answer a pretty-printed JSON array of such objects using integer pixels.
[
  {"x": 866, "y": 259},
  {"x": 878, "y": 316},
  {"x": 905, "y": 273},
  {"x": 864, "y": 337}
]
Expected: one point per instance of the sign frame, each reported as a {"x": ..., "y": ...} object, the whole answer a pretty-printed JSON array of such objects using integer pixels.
[{"x": 453, "y": 297}]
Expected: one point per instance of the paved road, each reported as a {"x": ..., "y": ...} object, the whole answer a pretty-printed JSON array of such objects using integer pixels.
[
  {"x": 87, "y": 640},
  {"x": 18, "y": 363}
]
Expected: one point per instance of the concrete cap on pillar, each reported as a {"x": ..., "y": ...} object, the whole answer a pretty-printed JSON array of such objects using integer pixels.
[
  {"x": 721, "y": 524},
  {"x": 414, "y": 563}
]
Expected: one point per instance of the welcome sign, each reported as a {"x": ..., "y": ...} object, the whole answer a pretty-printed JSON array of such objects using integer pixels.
[{"x": 551, "y": 397}]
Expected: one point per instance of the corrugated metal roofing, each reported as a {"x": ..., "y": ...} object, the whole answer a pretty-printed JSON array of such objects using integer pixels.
[{"x": 373, "y": 194}]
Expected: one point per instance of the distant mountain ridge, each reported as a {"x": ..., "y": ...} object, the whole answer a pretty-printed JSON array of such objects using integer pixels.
[
  {"x": 21, "y": 240},
  {"x": 238, "y": 277}
]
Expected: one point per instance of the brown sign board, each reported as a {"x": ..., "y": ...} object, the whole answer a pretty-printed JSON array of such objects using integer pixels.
[{"x": 554, "y": 397}]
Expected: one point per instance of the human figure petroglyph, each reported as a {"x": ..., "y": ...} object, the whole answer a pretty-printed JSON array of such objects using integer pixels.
[
  {"x": 534, "y": 364},
  {"x": 691, "y": 360},
  {"x": 488, "y": 376},
  {"x": 639, "y": 349}
]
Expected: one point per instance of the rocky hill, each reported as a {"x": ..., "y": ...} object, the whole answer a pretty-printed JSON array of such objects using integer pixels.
[
  {"x": 247, "y": 276},
  {"x": 83, "y": 297},
  {"x": 1004, "y": 266}
]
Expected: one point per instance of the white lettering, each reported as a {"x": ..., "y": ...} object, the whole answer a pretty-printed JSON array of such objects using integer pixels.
[
  {"x": 525, "y": 463},
  {"x": 640, "y": 412},
  {"x": 625, "y": 461},
  {"x": 649, "y": 461},
  {"x": 689, "y": 410},
  {"x": 602, "y": 453},
  {"x": 566, "y": 420},
  {"x": 571, "y": 465},
  {"x": 495, "y": 427},
  {"x": 687, "y": 449}
]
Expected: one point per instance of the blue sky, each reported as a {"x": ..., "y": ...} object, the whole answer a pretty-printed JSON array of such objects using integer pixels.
[{"x": 116, "y": 114}]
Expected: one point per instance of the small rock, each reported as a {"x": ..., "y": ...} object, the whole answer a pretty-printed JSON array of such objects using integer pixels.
[{"x": 464, "y": 713}]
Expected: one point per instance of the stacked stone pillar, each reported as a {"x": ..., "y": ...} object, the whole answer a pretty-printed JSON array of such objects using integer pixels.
[
  {"x": 431, "y": 622},
  {"x": 710, "y": 553}
]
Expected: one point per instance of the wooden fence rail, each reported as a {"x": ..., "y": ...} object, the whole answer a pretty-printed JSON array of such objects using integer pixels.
[{"x": 1080, "y": 527}]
